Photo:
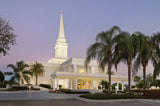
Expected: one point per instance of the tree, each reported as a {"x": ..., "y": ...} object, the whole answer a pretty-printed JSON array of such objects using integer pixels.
[
  {"x": 155, "y": 43},
  {"x": 7, "y": 37},
  {"x": 104, "y": 84},
  {"x": 149, "y": 79},
  {"x": 103, "y": 50},
  {"x": 112, "y": 73},
  {"x": 137, "y": 79},
  {"x": 37, "y": 70},
  {"x": 1, "y": 77},
  {"x": 125, "y": 51},
  {"x": 20, "y": 74},
  {"x": 144, "y": 54}
]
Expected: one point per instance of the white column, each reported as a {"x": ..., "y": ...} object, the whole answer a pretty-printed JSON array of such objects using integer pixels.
[
  {"x": 75, "y": 83},
  {"x": 93, "y": 84},
  {"x": 97, "y": 84},
  {"x": 53, "y": 84},
  {"x": 92, "y": 70},
  {"x": 69, "y": 68},
  {"x": 71, "y": 84},
  {"x": 117, "y": 86},
  {"x": 122, "y": 85},
  {"x": 57, "y": 83},
  {"x": 75, "y": 68}
]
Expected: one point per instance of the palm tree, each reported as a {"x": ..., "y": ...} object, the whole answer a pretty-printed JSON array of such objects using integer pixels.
[
  {"x": 144, "y": 54},
  {"x": 103, "y": 50},
  {"x": 125, "y": 51},
  {"x": 19, "y": 73},
  {"x": 37, "y": 70},
  {"x": 137, "y": 79},
  {"x": 2, "y": 77},
  {"x": 155, "y": 42},
  {"x": 104, "y": 84}
]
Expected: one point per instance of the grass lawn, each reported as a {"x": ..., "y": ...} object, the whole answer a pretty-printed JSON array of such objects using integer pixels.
[{"x": 111, "y": 96}]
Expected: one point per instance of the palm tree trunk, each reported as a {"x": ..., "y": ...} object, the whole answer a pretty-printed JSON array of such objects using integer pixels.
[
  {"x": 109, "y": 75},
  {"x": 144, "y": 77},
  {"x": 36, "y": 79},
  {"x": 129, "y": 78}
]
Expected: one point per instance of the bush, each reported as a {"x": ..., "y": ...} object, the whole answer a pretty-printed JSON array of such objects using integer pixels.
[
  {"x": 113, "y": 91},
  {"x": 11, "y": 89},
  {"x": 68, "y": 91},
  {"x": 45, "y": 86},
  {"x": 150, "y": 94},
  {"x": 111, "y": 96},
  {"x": 20, "y": 87},
  {"x": 77, "y": 92},
  {"x": 35, "y": 88}
]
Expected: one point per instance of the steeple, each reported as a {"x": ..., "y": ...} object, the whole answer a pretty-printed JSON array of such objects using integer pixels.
[
  {"x": 61, "y": 28},
  {"x": 61, "y": 45}
]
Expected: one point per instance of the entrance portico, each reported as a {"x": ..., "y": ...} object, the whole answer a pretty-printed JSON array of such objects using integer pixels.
[{"x": 81, "y": 81}]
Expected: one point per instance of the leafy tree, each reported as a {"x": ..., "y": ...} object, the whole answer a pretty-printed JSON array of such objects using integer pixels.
[
  {"x": 7, "y": 37},
  {"x": 144, "y": 54},
  {"x": 20, "y": 74},
  {"x": 125, "y": 51},
  {"x": 37, "y": 70},
  {"x": 137, "y": 79},
  {"x": 149, "y": 79},
  {"x": 104, "y": 84},
  {"x": 103, "y": 50},
  {"x": 1, "y": 77}
]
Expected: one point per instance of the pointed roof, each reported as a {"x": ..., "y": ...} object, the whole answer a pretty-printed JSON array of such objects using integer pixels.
[{"x": 61, "y": 28}]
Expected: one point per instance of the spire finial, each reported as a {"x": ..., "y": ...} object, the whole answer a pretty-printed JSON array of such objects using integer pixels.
[{"x": 61, "y": 11}]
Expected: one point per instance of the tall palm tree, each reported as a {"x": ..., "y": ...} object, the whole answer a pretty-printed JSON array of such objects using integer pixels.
[
  {"x": 103, "y": 50},
  {"x": 20, "y": 74},
  {"x": 155, "y": 42},
  {"x": 144, "y": 54},
  {"x": 37, "y": 70},
  {"x": 2, "y": 77},
  {"x": 125, "y": 51}
]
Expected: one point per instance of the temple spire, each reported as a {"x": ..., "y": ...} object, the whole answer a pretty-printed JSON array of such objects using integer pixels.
[
  {"x": 61, "y": 45},
  {"x": 61, "y": 28}
]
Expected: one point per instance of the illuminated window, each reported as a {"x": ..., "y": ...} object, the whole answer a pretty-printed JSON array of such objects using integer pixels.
[{"x": 81, "y": 71}]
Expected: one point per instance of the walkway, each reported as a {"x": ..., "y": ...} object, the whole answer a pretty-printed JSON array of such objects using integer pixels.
[
  {"x": 40, "y": 95},
  {"x": 43, "y": 98}
]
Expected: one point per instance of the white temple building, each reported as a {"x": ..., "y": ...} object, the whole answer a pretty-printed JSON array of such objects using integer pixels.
[{"x": 71, "y": 73}]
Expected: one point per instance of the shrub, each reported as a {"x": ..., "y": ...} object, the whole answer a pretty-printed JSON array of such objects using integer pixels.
[
  {"x": 68, "y": 91},
  {"x": 35, "y": 88},
  {"x": 77, "y": 92},
  {"x": 11, "y": 89},
  {"x": 45, "y": 86},
  {"x": 150, "y": 94},
  {"x": 110, "y": 96},
  {"x": 113, "y": 91},
  {"x": 20, "y": 87}
]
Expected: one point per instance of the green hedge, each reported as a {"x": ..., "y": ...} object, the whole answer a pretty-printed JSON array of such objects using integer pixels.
[
  {"x": 35, "y": 88},
  {"x": 45, "y": 86},
  {"x": 113, "y": 91},
  {"x": 20, "y": 87},
  {"x": 68, "y": 91},
  {"x": 151, "y": 94},
  {"x": 111, "y": 96}
]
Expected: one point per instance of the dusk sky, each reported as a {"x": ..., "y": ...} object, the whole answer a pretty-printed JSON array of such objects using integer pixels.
[{"x": 36, "y": 24}]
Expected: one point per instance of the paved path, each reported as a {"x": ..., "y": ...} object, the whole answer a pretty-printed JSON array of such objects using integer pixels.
[
  {"x": 72, "y": 102},
  {"x": 43, "y": 98},
  {"x": 40, "y": 95}
]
